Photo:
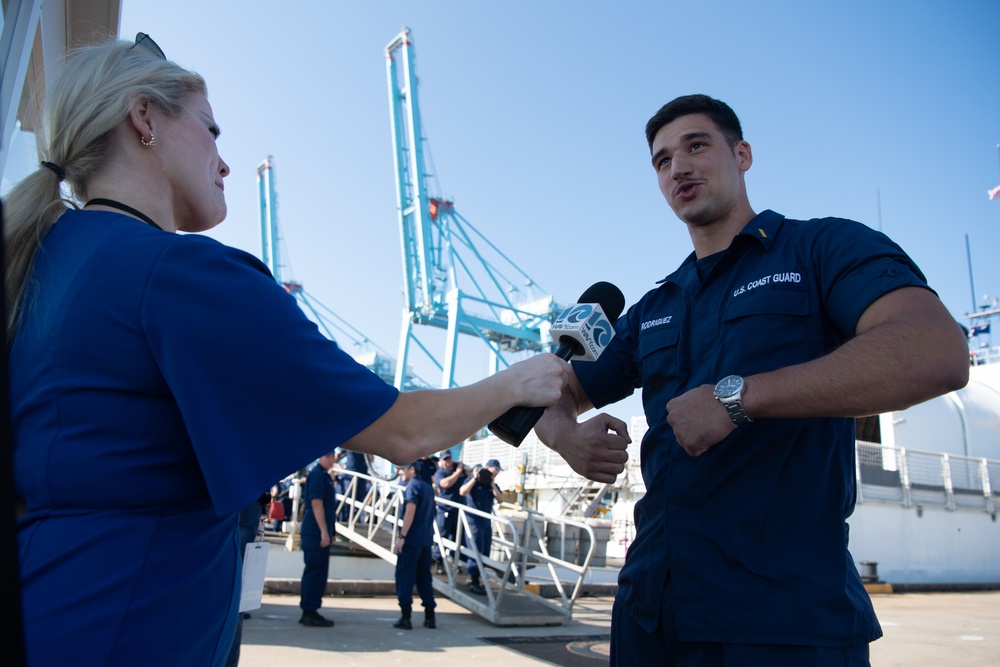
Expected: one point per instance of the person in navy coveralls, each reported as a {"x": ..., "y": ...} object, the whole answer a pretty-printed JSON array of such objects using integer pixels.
[
  {"x": 480, "y": 492},
  {"x": 317, "y": 533},
  {"x": 413, "y": 547},
  {"x": 137, "y": 353},
  {"x": 754, "y": 357},
  {"x": 448, "y": 479}
]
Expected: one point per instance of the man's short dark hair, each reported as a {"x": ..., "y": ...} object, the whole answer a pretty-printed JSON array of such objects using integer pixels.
[{"x": 720, "y": 113}]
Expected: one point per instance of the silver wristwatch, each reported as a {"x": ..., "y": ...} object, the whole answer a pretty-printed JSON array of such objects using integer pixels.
[{"x": 729, "y": 392}]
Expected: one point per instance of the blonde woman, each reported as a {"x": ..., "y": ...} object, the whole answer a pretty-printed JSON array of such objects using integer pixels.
[{"x": 159, "y": 381}]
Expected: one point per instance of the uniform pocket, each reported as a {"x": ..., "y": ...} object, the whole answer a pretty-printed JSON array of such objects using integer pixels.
[
  {"x": 658, "y": 360},
  {"x": 768, "y": 302},
  {"x": 770, "y": 329},
  {"x": 653, "y": 341}
]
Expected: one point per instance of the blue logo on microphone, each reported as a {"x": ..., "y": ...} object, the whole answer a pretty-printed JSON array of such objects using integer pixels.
[
  {"x": 577, "y": 313},
  {"x": 603, "y": 332},
  {"x": 590, "y": 323}
]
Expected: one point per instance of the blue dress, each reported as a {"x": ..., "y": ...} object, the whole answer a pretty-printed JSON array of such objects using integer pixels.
[{"x": 158, "y": 381}]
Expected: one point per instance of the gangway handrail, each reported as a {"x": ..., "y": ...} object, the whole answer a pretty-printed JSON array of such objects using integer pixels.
[
  {"x": 459, "y": 547},
  {"x": 537, "y": 522},
  {"x": 520, "y": 555}
]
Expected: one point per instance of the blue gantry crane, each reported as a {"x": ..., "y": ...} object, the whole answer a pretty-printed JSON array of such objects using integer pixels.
[
  {"x": 454, "y": 277},
  {"x": 366, "y": 351}
]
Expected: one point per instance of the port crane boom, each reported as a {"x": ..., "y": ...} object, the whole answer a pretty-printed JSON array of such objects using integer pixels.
[
  {"x": 454, "y": 277},
  {"x": 366, "y": 351}
]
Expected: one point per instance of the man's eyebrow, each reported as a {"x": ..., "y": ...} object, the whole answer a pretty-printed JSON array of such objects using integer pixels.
[
  {"x": 684, "y": 138},
  {"x": 700, "y": 134}
]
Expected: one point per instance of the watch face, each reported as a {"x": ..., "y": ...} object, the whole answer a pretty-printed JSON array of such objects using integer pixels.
[{"x": 729, "y": 386}]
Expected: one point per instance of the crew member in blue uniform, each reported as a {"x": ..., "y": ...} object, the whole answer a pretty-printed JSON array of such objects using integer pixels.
[
  {"x": 753, "y": 358},
  {"x": 448, "y": 480},
  {"x": 413, "y": 548},
  {"x": 317, "y": 533},
  {"x": 480, "y": 491}
]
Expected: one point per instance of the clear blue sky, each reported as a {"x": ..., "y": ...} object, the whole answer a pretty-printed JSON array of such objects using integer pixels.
[{"x": 534, "y": 113}]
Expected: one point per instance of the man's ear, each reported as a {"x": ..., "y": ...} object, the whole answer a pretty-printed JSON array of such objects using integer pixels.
[{"x": 744, "y": 156}]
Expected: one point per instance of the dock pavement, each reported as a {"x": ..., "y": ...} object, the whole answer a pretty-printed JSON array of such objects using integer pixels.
[{"x": 932, "y": 629}]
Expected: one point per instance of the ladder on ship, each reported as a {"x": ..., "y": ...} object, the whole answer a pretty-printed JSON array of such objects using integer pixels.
[
  {"x": 518, "y": 569},
  {"x": 583, "y": 498}
]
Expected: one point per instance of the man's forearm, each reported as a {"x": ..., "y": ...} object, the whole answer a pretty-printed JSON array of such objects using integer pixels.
[
  {"x": 447, "y": 482},
  {"x": 908, "y": 351},
  {"x": 595, "y": 448},
  {"x": 562, "y": 416}
]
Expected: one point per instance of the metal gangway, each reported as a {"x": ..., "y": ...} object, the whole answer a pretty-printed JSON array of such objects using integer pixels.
[{"x": 531, "y": 553}]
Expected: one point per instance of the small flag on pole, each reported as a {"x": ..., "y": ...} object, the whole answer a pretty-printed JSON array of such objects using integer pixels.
[{"x": 994, "y": 193}]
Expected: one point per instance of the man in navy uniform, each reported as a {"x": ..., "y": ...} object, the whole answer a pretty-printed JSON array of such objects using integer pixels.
[
  {"x": 413, "y": 548},
  {"x": 317, "y": 531},
  {"x": 479, "y": 492},
  {"x": 754, "y": 357},
  {"x": 447, "y": 482}
]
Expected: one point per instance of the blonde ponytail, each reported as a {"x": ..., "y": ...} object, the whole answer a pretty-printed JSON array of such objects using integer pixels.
[{"x": 91, "y": 96}]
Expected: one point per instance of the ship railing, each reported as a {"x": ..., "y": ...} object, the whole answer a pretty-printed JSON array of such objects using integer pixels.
[
  {"x": 531, "y": 552},
  {"x": 910, "y": 477},
  {"x": 984, "y": 355}
]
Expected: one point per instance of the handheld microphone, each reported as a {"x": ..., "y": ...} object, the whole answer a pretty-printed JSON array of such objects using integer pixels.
[{"x": 583, "y": 331}]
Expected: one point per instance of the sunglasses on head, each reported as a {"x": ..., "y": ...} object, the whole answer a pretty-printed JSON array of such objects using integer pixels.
[{"x": 146, "y": 42}]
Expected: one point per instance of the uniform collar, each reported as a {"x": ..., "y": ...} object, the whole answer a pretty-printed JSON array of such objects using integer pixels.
[{"x": 763, "y": 228}]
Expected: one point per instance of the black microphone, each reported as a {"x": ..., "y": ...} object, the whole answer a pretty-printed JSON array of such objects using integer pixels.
[{"x": 583, "y": 331}]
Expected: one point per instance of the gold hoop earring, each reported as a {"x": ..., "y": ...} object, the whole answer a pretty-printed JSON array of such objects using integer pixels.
[{"x": 147, "y": 144}]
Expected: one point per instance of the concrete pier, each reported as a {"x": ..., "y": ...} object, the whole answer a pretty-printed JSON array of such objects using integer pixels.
[{"x": 931, "y": 629}]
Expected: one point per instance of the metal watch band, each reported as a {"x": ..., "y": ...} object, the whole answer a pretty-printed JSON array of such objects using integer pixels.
[{"x": 734, "y": 406}]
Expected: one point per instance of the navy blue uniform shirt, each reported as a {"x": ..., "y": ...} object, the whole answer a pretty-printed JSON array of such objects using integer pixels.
[
  {"x": 453, "y": 492},
  {"x": 753, "y": 532},
  {"x": 421, "y": 531},
  {"x": 481, "y": 498},
  {"x": 319, "y": 486}
]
